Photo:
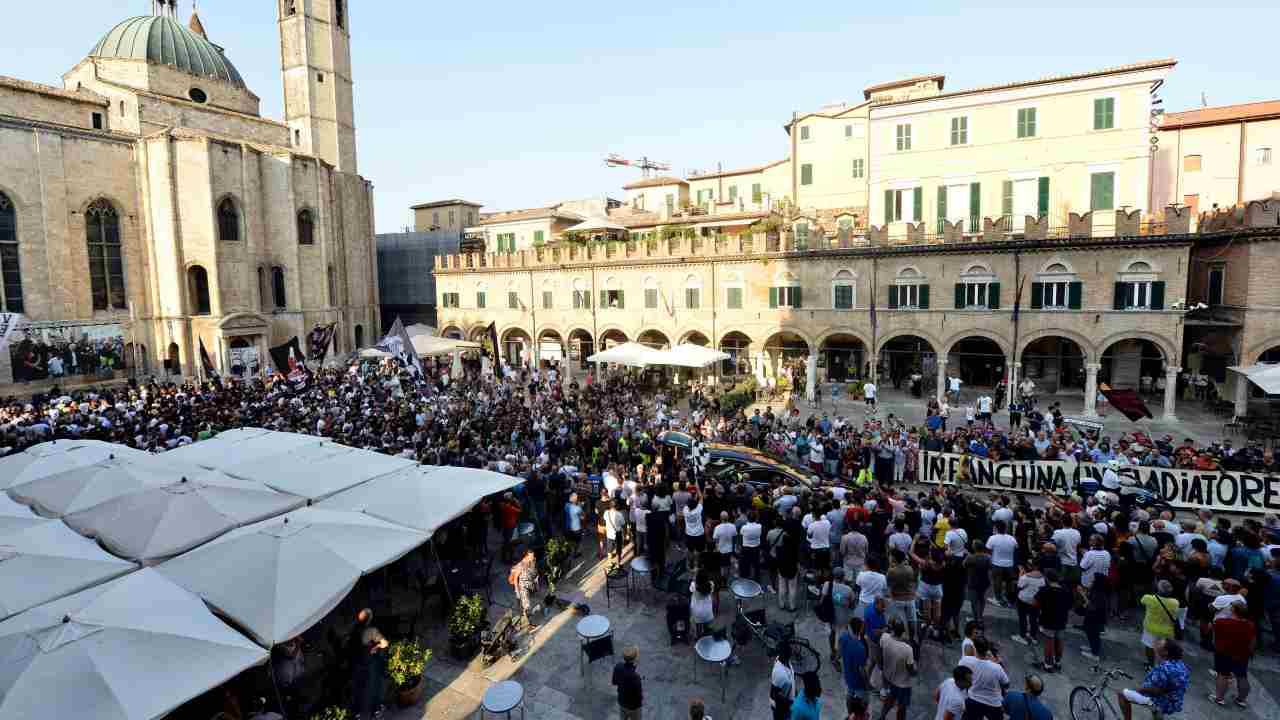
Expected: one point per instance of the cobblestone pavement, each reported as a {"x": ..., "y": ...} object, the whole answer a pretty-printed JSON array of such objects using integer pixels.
[{"x": 547, "y": 665}]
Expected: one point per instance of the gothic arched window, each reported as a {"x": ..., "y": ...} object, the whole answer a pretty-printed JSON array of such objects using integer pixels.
[
  {"x": 106, "y": 260},
  {"x": 228, "y": 220},
  {"x": 10, "y": 273},
  {"x": 306, "y": 228}
]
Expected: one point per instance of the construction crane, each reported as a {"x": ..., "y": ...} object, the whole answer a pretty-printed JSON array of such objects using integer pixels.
[{"x": 645, "y": 164}]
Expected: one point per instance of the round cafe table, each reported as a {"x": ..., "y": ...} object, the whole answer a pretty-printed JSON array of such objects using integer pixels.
[
  {"x": 591, "y": 627},
  {"x": 715, "y": 651},
  {"x": 745, "y": 589},
  {"x": 502, "y": 698}
]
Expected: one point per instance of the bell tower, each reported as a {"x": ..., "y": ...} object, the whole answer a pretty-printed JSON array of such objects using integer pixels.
[{"x": 315, "y": 61}]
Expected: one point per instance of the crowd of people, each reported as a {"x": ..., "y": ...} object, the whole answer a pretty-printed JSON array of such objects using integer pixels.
[{"x": 888, "y": 568}]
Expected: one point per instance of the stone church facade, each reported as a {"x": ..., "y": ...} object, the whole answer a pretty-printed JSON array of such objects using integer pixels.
[{"x": 148, "y": 201}]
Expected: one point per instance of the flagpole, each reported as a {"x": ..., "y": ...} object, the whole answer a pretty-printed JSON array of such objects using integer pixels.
[
  {"x": 875, "y": 325},
  {"x": 1009, "y": 372}
]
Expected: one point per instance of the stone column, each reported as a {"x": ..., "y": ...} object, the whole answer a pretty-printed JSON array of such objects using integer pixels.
[
  {"x": 1242, "y": 395},
  {"x": 942, "y": 377},
  {"x": 1170, "y": 393},
  {"x": 1012, "y": 389},
  {"x": 1091, "y": 389}
]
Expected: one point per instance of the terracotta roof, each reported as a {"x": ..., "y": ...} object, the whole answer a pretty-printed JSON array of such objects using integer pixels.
[
  {"x": 1221, "y": 115},
  {"x": 654, "y": 182},
  {"x": 740, "y": 171},
  {"x": 81, "y": 95},
  {"x": 529, "y": 214},
  {"x": 902, "y": 83},
  {"x": 1119, "y": 69},
  {"x": 442, "y": 203}
]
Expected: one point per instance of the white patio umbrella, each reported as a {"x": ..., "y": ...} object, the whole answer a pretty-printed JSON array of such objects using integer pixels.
[
  {"x": 160, "y": 522},
  {"x": 47, "y": 561},
  {"x": 420, "y": 329},
  {"x": 48, "y": 458},
  {"x": 316, "y": 472},
  {"x": 1265, "y": 376},
  {"x": 16, "y": 516},
  {"x": 695, "y": 356},
  {"x": 423, "y": 498},
  {"x": 374, "y": 354},
  {"x": 631, "y": 354},
  {"x": 233, "y": 447},
  {"x": 80, "y": 488},
  {"x": 278, "y": 577},
  {"x": 132, "y": 649}
]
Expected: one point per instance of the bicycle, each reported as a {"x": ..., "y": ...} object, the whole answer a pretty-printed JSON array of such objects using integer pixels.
[{"x": 1087, "y": 701}]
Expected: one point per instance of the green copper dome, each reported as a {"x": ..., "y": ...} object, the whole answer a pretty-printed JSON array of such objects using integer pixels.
[{"x": 164, "y": 41}]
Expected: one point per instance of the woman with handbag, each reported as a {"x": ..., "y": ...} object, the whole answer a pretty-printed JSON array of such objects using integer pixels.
[{"x": 1159, "y": 622}]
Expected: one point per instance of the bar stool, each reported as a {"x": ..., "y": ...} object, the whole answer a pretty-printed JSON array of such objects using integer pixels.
[{"x": 501, "y": 698}]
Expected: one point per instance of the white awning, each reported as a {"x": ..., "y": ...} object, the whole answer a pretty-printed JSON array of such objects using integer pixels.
[{"x": 1265, "y": 376}]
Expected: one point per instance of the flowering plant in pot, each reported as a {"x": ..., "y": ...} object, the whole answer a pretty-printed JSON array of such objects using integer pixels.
[
  {"x": 333, "y": 712},
  {"x": 405, "y": 661},
  {"x": 465, "y": 623}
]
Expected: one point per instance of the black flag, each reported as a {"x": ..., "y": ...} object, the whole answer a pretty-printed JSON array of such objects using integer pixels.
[
  {"x": 318, "y": 342},
  {"x": 491, "y": 348},
  {"x": 209, "y": 370},
  {"x": 1017, "y": 299},
  {"x": 289, "y": 358},
  {"x": 1127, "y": 402}
]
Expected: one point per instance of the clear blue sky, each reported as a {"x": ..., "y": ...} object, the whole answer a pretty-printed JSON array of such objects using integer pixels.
[{"x": 516, "y": 104}]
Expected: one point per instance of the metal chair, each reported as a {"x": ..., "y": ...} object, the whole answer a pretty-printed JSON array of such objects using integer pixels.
[{"x": 618, "y": 579}]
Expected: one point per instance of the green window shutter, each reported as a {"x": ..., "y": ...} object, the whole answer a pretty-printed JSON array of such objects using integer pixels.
[
  {"x": 1104, "y": 113},
  {"x": 733, "y": 193},
  {"x": 735, "y": 299},
  {"x": 993, "y": 295},
  {"x": 893, "y": 296},
  {"x": 917, "y": 202},
  {"x": 959, "y": 296},
  {"x": 604, "y": 299},
  {"x": 1075, "y": 291},
  {"x": 1006, "y": 198},
  {"x": 923, "y": 291},
  {"x": 795, "y": 296},
  {"x": 756, "y": 194},
  {"x": 942, "y": 206},
  {"x": 773, "y": 297},
  {"x": 888, "y": 206},
  {"x": 975, "y": 207},
  {"x": 806, "y": 174},
  {"x": 1037, "y": 295},
  {"x": 1102, "y": 188},
  {"x": 538, "y": 237},
  {"x": 1042, "y": 198},
  {"x": 621, "y": 301},
  {"x": 1117, "y": 302},
  {"x": 1157, "y": 295}
]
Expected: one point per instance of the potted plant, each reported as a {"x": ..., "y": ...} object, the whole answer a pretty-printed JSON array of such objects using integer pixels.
[
  {"x": 405, "y": 661},
  {"x": 559, "y": 550},
  {"x": 333, "y": 712},
  {"x": 465, "y": 624}
]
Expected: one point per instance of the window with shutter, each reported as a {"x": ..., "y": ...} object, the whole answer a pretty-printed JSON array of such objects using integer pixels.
[
  {"x": 1006, "y": 198},
  {"x": 1042, "y": 198},
  {"x": 1026, "y": 122},
  {"x": 1102, "y": 188},
  {"x": 889, "y": 196},
  {"x": 843, "y": 299},
  {"x": 942, "y": 207},
  {"x": 1037, "y": 295},
  {"x": 922, "y": 297},
  {"x": 893, "y": 296},
  {"x": 1104, "y": 113},
  {"x": 756, "y": 193},
  {"x": 480, "y": 300},
  {"x": 960, "y": 296},
  {"x": 513, "y": 301},
  {"x": 993, "y": 296},
  {"x": 691, "y": 298},
  {"x": 773, "y": 297},
  {"x": 546, "y": 300},
  {"x": 917, "y": 204},
  {"x": 975, "y": 207},
  {"x": 1075, "y": 292},
  {"x": 806, "y": 174},
  {"x": 651, "y": 298},
  {"x": 734, "y": 298}
]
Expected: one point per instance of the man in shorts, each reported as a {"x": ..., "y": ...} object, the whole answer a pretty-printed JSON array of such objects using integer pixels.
[
  {"x": 898, "y": 668},
  {"x": 1165, "y": 685},
  {"x": 869, "y": 393},
  {"x": 1233, "y": 642}
]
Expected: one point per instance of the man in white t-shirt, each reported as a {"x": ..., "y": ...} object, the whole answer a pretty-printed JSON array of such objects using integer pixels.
[
  {"x": 986, "y": 694},
  {"x": 957, "y": 542},
  {"x": 871, "y": 584},
  {"x": 819, "y": 533},
  {"x": 950, "y": 696},
  {"x": 1002, "y": 546},
  {"x": 1096, "y": 561},
  {"x": 953, "y": 385},
  {"x": 1067, "y": 540},
  {"x": 869, "y": 393},
  {"x": 694, "y": 533}
]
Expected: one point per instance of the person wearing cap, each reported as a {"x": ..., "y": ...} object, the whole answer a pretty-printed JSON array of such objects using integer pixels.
[{"x": 630, "y": 686}]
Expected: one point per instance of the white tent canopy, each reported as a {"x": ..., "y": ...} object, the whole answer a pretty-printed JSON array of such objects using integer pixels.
[
  {"x": 423, "y": 498},
  {"x": 316, "y": 472},
  {"x": 47, "y": 561},
  {"x": 133, "y": 649},
  {"x": 53, "y": 457},
  {"x": 631, "y": 354},
  {"x": 690, "y": 355},
  {"x": 16, "y": 516},
  {"x": 1265, "y": 376},
  {"x": 80, "y": 488},
  {"x": 420, "y": 329},
  {"x": 158, "y": 523},
  {"x": 239, "y": 446},
  {"x": 431, "y": 346},
  {"x": 279, "y": 577},
  {"x": 374, "y": 354}
]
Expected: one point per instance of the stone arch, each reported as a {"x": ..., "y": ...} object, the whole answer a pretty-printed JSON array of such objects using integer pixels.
[
  {"x": 740, "y": 331},
  {"x": 477, "y": 332},
  {"x": 1162, "y": 343},
  {"x": 843, "y": 330},
  {"x": 115, "y": 203},
  {"x": 452, "y": 331},
  {"x": 1056, "y": 260},
  {"x": 997, "y": 338},
  {"x": 1090, "y": 352},
  {"x": 553, "y": 329},
  {"x": 685, "y": 335},
  {"x": 653, "y": 336},
  {"x": 765, "y": 335},
  {"x": 505, "y": 333},
  {"x": 1256, "y": 351},
  {"x": 612, "y": 333},
  {"x": 908, "y": 332}
]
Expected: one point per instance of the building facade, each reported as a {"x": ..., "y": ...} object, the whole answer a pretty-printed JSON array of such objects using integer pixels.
[
  {"x": 406, "y": 283},
  {"x": 147, "y": 209}
]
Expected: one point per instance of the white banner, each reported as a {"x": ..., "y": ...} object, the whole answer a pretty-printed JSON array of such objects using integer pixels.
[
  {"x": 1185, "y": 489},
  {"x": 8, "y": 321}
]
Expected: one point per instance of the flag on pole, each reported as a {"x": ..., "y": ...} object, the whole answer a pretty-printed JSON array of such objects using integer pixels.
[
  {"x": 1126, "y": 401},
  {"x": 289, "y": 359},
  {"x": 397, "y": 343},
  {"x": 209, "y": 370},
  {"x": 318, "y": 342},
  {"x": 491, "y": 347}
]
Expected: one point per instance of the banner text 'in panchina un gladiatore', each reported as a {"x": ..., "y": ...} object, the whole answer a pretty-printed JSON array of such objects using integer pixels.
[{"x": 1189, "y": 489}]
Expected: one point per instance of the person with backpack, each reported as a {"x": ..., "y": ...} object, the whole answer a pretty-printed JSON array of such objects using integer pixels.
[
  {"x": 835, "y": 601},
  {"x": 1055, "y": 608}
]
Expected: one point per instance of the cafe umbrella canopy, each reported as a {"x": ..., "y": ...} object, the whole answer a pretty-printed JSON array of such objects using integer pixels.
[
  {"x": 134, "y": 648},
  {"x": 58, "y": 456},
  {"x": 424, "y": 498},
  {"x": 47, "y": 561}
]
